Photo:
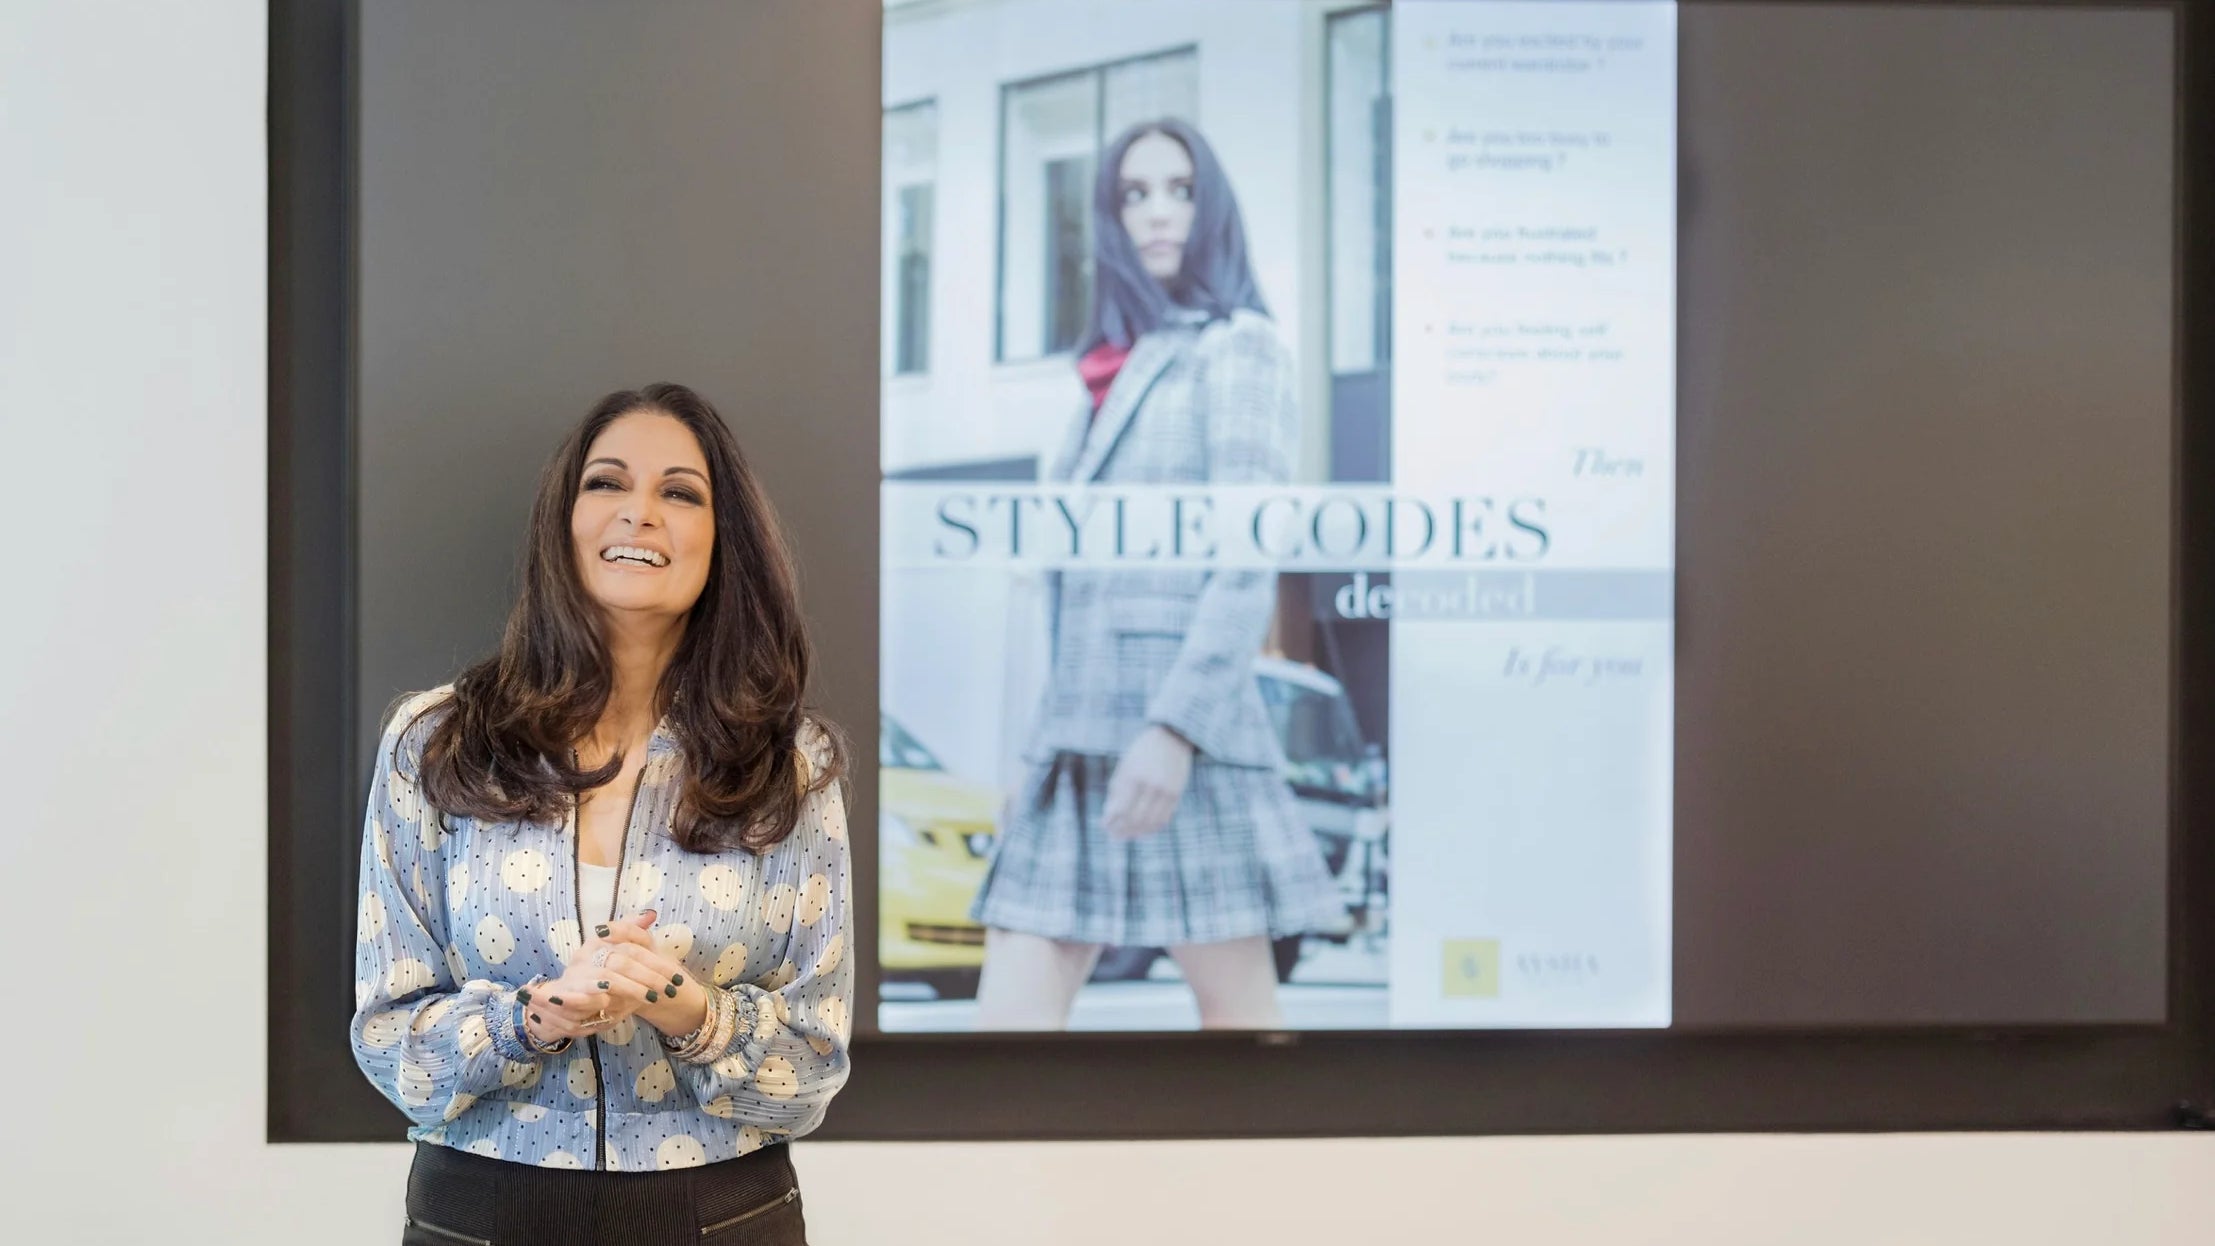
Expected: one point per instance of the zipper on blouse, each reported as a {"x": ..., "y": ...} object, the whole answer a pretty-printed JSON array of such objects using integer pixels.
[
  {"x": 437, "y": 1230},
  {"x": 615, "y": 905},
  {"x": 744, "y": 1216}
]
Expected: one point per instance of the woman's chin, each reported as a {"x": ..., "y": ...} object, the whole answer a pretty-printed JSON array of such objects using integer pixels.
[{"x": 634, "y": 599}]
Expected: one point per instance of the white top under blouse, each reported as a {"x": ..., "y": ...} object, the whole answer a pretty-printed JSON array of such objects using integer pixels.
[{"x": 596, "y": 891}]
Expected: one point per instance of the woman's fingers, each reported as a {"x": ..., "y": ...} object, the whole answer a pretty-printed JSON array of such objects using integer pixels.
[{"x": 630, "y": 930}]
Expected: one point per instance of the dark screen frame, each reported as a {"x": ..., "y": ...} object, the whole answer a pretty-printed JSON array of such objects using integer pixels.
[{"x": 928, "y": 1087}]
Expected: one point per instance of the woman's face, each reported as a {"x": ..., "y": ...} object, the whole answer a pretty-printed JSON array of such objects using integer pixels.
[
  {"x": 644, "y": 525},
  {"x": 1155, "y": 188}
]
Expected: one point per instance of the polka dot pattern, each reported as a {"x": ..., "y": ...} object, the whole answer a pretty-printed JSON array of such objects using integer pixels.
[
  {"x": 455, "y": 913},
  {"x": 565, "y": 938},
  {"x": 640, "y": 886},
  {"x": 777, "y": 912},
  {"x": 414, "y": 1085},
  {"x": 385, "y": 1028},
  {"x": 682, "y": 1151},
  {"x": 673, "y": 941},
  {"x": 495, "y": 942},
  {"x": 833, "y": 954},
  {"x": 476, "y": 1037},
  {"x": 407, "y": 798},
  {"x": 369, "y": 923},
  {"x": 730, "y": 964},
  {"x": 408, "y": 976},
  {"x": 777, "y": 1078},
  {"x": 431, "y": 1015},
  {"x": 815, "y": 899},
  {"x": 722, "y": 886},
  {"x": 525, "y": 871},
  {"x": 655, "y": 1081}
]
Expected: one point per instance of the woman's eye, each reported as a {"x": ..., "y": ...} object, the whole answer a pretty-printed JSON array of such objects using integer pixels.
[
  {"x": 1133, "y": 194},
  {"x": 1182, "y": 193},
  {"x": 682, "y": 495},
  {"x": 603, "y": 482}
]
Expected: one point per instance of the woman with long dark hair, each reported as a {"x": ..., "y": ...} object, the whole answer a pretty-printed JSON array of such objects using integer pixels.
[
  {"x": 1155, "y": 812},
  {"x": 602, "y": 961}
]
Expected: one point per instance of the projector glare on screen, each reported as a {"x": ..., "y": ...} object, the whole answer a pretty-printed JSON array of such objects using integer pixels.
[{"x": 1278, "y": 516}]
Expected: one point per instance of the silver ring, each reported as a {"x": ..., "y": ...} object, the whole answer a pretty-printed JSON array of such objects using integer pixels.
[{"x": 600, "y": 958}]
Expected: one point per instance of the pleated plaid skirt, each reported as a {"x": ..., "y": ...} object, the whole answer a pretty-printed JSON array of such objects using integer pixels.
[{"x": 1236, "y": 860}]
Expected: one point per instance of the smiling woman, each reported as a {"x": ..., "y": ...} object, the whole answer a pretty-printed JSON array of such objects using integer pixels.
[{"x": 643, "y": 839}]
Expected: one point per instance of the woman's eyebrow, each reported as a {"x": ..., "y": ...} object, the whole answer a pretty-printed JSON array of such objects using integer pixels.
[{"x": 667, "y": 471}]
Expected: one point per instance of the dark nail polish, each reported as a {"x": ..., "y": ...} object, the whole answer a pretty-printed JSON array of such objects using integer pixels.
[
  {"x": 603, "y": 986},
  {"x": 555, "y": 1000},
  {"x": 534, "y": 1016},
  {"x": 652, "y": 998},
  {"x": 676, "y": 979},
  {"x": 524, "y": 995}
]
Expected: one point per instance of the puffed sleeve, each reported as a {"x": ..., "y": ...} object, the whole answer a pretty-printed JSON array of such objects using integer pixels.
[
  {"x": 788, "y": 1053},
  {"x": 428, "y": 1043}
]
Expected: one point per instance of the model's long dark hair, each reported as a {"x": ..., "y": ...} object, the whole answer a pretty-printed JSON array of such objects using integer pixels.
[
  {"x": 1215, "y": 277},
  {"x": 733, "y": 693}
]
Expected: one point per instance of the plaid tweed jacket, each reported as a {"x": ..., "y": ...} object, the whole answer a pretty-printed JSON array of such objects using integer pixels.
[{"x": 1199, "y": 403}]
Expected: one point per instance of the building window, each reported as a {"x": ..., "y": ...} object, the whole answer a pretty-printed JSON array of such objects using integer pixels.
[
  {"x": 1052, "y": 131},
  {"x": 1359, "y": 158},
  {"x": 910, "y": 187}
]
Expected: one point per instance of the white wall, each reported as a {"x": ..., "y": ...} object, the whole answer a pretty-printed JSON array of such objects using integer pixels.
[{"x": 131, "y": 735}]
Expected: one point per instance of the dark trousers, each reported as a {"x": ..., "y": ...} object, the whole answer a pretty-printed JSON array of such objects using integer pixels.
[{"x": 459, "y": 1199}]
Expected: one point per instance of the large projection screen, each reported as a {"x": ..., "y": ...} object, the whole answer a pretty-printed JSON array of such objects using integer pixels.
[{"x": 1916, "y": 466}]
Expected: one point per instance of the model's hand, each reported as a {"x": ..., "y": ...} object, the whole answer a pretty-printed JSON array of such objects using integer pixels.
[
  {"x": 1148, "y": 782},
  {"x": 642, "y": 978},
  {"x": 574, "y": 1004}
]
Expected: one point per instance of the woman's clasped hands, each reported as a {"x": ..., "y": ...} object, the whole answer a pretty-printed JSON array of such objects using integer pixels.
[{"x": 619, "y": 972}]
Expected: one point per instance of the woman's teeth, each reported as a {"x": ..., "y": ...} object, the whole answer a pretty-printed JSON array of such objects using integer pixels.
[{"x": 631, "y": 553}]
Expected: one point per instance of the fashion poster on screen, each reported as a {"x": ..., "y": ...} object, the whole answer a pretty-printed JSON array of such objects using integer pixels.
[{"x": 1278, "y": 445}]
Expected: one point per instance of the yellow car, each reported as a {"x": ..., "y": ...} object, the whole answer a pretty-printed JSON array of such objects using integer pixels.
[{"x": 934, "y": 834}]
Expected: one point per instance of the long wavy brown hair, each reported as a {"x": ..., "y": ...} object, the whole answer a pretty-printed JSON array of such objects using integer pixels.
[{"x": 500, "y": 749}]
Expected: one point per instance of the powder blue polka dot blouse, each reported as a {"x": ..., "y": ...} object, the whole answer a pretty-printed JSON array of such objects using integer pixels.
[{"x": 456, "y": 914}]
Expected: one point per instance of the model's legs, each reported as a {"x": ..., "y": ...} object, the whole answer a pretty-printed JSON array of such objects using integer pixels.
[
  {"x": 1236, "y": 982},
  {"x": 1030, "y": 981}
]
